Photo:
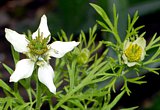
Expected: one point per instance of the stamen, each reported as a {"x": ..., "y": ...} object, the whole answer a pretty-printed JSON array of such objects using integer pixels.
[
  {"x": 133, "y": 53},
  {"x": 38, "y": 46}
]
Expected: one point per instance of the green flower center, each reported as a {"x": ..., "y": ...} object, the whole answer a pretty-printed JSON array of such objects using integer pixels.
[
  {"x": 38, "y": 46},
  {"x": 133, "y": 53}
]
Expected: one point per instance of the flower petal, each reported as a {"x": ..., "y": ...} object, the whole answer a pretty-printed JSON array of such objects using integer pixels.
[
  {"x": 126, "y": 44},
  {"x": 141, "y": 42},
  {"x": 43, "y": 28},
  {"x": 46, "y": 75},
  {"x": 59, "y": 49},
  {"x": 24, "y": 69},
  {"x": 18, "y": 41},
  {"x": 130, "y": 64},
  {"x": 143, "y": 55}
]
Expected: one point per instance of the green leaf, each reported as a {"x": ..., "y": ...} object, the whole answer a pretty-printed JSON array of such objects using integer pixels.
[
  {"x": 153, "y": 70},
  {"x": 2, "y": 103},
  {"x": 104, "y": 26},
  {"x": 154, "y": 42},
  {"x": 9, "y": 102},
  {"x": 21, "y": 107},
  {"x": 7, "y": 68},
  {"x": 5, "y": 86},
  {"x": 136, "y": 80},
  {"x": 115, "y": 16},
  {"x": 77, "y": 103},
  {"x": 131, "y": 24},
  {"x": 111, "y": 28},
  {"x": 131, "y": 108},
  {"x": 15, "y": 55},
  {"x": 90, "y": 93},
  {"x": 66, "y": 107},
  {"x": 103, "y": 14},
  {"x": 114, "y": 102},
  {"x": 82, "y": 39}
]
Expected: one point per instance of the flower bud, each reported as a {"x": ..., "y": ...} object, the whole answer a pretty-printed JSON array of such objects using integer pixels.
[{"x": 83, "y": 56}]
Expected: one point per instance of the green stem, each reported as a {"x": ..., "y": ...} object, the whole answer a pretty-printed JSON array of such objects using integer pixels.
[
  {"x": 71, "y": 70},
  {"x": 50, "y": 104},
  {"x": 38, "y": 98},
  {"x": 16, "y": 94},
  {"x": 38, "y": 91},
  {"x": 29, "y": 89},
  {"x": 117, "y": 37},
  {"x": 114, "y": 102}
]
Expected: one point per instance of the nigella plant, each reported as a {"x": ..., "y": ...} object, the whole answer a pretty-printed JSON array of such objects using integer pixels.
[
  {"x": 39, "y": 52},
  {"x": 84, "y": 75}
]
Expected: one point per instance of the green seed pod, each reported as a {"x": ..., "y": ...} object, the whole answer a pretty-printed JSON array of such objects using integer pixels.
[{"x": 83, "y": 56}]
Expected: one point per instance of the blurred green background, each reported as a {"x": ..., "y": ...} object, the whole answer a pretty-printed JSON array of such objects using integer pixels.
[{"x": 75, "y": 15}]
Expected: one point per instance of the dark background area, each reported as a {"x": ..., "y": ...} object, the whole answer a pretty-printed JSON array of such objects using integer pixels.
[{"x": 75, "y": 15}]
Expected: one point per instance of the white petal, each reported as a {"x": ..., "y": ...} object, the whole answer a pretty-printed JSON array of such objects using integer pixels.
[
  {"x": 24, "y": 69},
  {"x": 46, "y": 75},
  {"x": 126, "y": 44},
  {"x": 143, "y": 54},
  {"x": 141, "y": 42},
  {"x": 59, "y": 49},
  {"x": 43, "y": 28},
  {"x": 124, "y": 58},
  {"x": 130, "y": 64},
  {"x": 18, "y": 41}
]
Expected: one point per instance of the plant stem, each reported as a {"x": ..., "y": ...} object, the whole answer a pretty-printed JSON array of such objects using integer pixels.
[
  {"x": 29, "y": 92},
  {"x": 38, "y": 92},
  {"x": 72, "y": 72},
  {"x": 38, "y": 98},
  {"x": 17, "y": 93}
]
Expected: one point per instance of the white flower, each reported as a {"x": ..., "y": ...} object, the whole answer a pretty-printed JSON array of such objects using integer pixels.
[
  {"x": 134, "y": 52},
  {"x": 39, "y": 52}
]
